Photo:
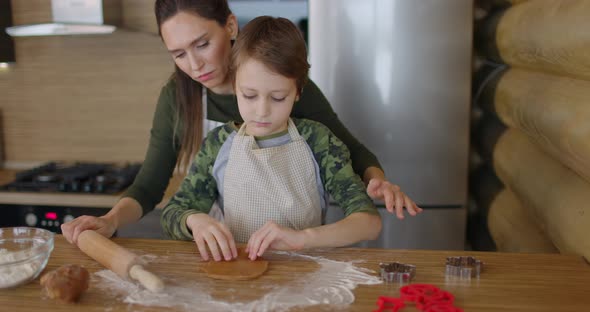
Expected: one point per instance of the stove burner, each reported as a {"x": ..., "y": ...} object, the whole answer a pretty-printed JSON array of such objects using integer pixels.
[{"x": 78, "y": 178}]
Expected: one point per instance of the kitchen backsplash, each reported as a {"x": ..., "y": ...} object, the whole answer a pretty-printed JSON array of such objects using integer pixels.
[{"x": 80, "y": 97}]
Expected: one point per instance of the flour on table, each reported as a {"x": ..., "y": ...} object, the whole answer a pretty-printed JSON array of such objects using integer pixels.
[
  {"x": 17, "y": 273},
  {"x": 332, "y": 283}
]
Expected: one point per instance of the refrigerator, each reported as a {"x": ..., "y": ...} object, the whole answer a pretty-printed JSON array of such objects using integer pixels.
[{"x": 398, "y": 74}]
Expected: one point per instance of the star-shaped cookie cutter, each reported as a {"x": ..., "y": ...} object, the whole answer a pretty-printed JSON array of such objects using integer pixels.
[
  {"x": 463, "y": 267},
  {"x": 396, "y": 272}
]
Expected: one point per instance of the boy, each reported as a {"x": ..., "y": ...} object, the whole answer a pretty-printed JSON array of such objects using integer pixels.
[{"x": 271, "y": 175}]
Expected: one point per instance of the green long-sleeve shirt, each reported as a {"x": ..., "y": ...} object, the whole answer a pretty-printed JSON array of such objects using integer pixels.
[{"x": 151, "y": 182}]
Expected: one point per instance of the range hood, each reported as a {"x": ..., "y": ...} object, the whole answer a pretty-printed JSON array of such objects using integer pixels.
[{"x": 70, "y": 17}]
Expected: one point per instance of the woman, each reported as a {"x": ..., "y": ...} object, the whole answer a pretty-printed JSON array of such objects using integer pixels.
[{"x": 199, "y": 34}]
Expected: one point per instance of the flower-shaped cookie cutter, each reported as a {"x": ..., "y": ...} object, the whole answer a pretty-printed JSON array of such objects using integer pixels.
[
  {"x": 463, "y": 267},
  {"x": 396, "y": 272}
]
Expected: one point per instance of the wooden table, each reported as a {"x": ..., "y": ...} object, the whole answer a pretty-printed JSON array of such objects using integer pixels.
[{"x": 510, "y": 282}]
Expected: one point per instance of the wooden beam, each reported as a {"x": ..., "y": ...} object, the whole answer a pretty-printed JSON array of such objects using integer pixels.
[
  {"x": 513, "y": 228},
  {"x": 552, "y": 110},
  {"x": 545, "y": 35},
  {"x": 558, "y": 196}
]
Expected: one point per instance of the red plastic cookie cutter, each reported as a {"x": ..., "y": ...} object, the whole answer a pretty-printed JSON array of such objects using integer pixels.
[
  {"x": 441, "y": 298},
  {"x": 426, "y": 297},
  {"x": 389, "y": 303},
  {"x": 415, "y": 292}
]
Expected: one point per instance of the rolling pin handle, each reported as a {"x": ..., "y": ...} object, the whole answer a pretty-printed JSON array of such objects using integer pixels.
[{"x": 146, "y": 278}]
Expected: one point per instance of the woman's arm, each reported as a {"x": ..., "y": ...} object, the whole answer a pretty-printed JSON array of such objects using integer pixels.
[
  {"x": 395, "y": 200},
  {"x": 160, "y": 159},
  {"x": 148, "y": 187},
  {"x": 314, "y": 105},
  {"x": 127, "y": 210}
]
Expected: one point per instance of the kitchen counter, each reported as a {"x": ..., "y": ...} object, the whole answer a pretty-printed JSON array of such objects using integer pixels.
[
  {"x": 52, "y": 199},
  {"x": 510, "y": 282},
  {"x": 91, "y": 200}
]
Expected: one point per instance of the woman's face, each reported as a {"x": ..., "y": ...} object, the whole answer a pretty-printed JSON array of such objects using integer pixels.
[{"x": 201, "y": 48}]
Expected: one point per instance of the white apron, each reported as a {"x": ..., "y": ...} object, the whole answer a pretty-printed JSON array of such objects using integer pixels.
[{"x": 275, "y": 183}]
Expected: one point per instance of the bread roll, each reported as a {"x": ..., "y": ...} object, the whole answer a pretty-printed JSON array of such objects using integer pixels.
[{"x": 67, "y": 283}]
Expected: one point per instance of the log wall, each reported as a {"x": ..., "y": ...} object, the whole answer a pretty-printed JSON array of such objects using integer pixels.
[
  {"x": 544, "y": 35},
  {"x": 557, "y": 195},
  {"x": 513, "y": 229},
  {"x": 541, "y": 95}
]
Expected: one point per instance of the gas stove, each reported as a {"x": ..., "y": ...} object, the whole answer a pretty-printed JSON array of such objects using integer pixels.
[
  {"x": 63, "y": 178},
  {"x": 78, "y": 178}
]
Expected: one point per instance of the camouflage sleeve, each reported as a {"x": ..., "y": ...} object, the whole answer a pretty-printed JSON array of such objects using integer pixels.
[
  {"x": 198, "y": 190},
  {"x": 338, "y": 176}
]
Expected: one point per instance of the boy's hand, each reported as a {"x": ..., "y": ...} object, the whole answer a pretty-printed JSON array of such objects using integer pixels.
[
  {"x": 211, "y": 233},
  {"x": 394, "y": 198},
  {"x": 272, "y": 235}
]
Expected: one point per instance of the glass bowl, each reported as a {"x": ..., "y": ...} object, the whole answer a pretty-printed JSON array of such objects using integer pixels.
[{"x": 24, "y": 252}]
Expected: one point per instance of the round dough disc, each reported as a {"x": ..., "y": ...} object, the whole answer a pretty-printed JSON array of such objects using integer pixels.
[{"x": 238, "y": 269}]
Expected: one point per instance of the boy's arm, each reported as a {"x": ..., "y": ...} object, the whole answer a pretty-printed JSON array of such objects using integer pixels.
[
  {"x": 356, "y": 227},
  {"x": 362, "y": 221},
  {"x": 197, "y": 192}
]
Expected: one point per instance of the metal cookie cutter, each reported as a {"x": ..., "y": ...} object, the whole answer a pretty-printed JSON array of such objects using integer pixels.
[
  {"x": 464, "y": 267},
  {"x": 396, "y": 272}
]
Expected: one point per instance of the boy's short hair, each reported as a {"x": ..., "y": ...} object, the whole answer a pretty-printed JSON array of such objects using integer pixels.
[{"x": 277, "y": 43}]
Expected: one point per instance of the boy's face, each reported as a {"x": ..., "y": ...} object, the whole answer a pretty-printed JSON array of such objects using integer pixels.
[{"x": 265, "y": 98}]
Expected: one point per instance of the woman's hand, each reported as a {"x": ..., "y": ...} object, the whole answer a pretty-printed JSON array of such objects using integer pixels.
[
  {"x": 126, "y": 211},
  {"x": 395, "y": 200},
  {"x": 102, "y": 225},
  {"x": 274, "y": 236},
  {"x": 211, "y": 233}
]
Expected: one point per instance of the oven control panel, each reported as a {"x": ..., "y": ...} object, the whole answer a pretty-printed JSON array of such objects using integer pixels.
[{"x": 47, "y": 217}]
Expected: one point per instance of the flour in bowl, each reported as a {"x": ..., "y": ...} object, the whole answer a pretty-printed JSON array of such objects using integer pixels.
[{"x": 14, "y": 274}]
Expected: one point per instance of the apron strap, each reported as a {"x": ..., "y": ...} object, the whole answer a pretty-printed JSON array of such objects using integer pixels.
[{"x": 208, "y": 125}]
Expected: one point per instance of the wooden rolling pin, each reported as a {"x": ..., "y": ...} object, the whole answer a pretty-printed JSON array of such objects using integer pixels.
[{"x": 117, "y": 259}]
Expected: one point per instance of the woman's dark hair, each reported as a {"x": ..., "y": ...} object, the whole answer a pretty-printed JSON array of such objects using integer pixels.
[
  {"x": 189, "y": 110},
  {"x": 277, "y": 43}
]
